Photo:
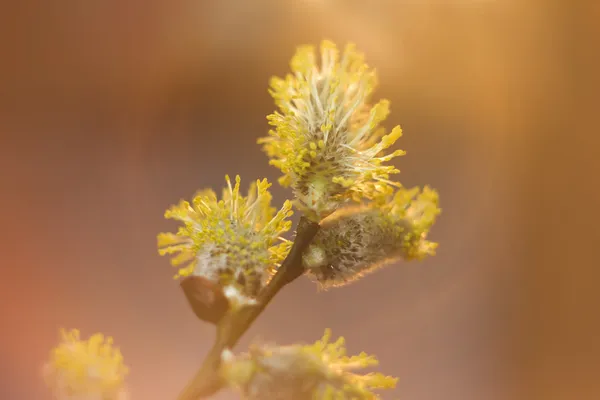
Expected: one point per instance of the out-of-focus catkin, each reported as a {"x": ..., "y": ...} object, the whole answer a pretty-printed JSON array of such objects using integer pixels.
[
  {"x": 319, "y": 371},
  {"x": 86, "y": 369}
]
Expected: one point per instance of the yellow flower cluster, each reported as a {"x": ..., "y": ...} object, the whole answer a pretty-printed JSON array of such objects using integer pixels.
[
  {"x": 327, "y": 140},
  {"x": 321, "y": 371},
  {"x": 419, "y": 208},
  {"x": 86, "y": 369},
  {"x": 357, "y": 240},
  {"x": 234, "y": 242}
]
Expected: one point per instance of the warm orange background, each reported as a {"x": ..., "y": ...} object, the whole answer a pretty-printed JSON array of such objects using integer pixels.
[{"x": 112, "y": 110}]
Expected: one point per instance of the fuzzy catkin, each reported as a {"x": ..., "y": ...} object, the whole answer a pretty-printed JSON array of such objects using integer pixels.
[
  {"x": 349, "y": 246},
  {"x": 233, "y": 242},
  {"x": 319, "y": 371},
  {"x": 90, "y": 369},
  {"x": 357, "y": 240},
  {"x": 328, "y": 139}
]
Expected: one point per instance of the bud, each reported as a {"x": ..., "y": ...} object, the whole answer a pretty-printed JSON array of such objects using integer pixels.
[
  {"x": 320, "y": 371},
  {"x": 205, "y": 297},
  {"x": 233, "y": 243},
  {"x": 327, "y": 140},
  {"x": 86, "y": 369},
  {"x": 357, "y": 240}
]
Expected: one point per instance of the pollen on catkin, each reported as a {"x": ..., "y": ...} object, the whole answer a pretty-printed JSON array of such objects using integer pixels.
[
  {"x": 320, "y": 371},
  {"x": 89, "y": 369},
  {"x": 234, "y": 242},
  {"x": 357, "y": 240},
  {"x": 327, "y": 139}
]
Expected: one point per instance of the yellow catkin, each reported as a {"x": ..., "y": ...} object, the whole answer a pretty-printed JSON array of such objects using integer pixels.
[
  {"x": 234, "y": 241},
  {"x": 79, "y": 368},
  {"x": 327, "y": 139},
  {"x": 357, "y": 240},
  {"x": 319, "y": 371}
]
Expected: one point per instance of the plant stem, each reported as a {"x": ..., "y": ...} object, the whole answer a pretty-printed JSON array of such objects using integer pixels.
[{"x": 235, "y": 323}]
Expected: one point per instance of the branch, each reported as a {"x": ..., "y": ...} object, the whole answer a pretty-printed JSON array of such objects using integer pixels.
[{"x": 235, "y": 323}]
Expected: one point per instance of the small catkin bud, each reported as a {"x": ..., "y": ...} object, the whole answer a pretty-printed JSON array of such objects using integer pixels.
[
  {"x": 320, "y": 371},
  {"x": 357, "y": 240}
]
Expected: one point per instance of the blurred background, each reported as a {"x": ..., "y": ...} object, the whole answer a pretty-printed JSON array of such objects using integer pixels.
[{"x": 110, "y": 111}]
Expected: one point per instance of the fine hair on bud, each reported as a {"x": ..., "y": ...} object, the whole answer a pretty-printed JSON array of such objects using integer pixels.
[{"x": 357, "y": 240}]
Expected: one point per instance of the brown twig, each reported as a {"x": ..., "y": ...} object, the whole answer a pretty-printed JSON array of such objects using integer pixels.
[{"x": 235, "y": 323}]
